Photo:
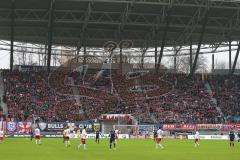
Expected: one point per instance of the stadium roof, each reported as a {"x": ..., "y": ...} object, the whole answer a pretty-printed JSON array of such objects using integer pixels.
[{"x": 97, "y": 21}]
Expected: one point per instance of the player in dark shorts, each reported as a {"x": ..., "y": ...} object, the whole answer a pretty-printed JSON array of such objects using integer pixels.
[
  {"x": 238, "y": 136},
  {"x": 231, "y": 138},
  {"x": 31, "y": 135},
  {"x": 154, "y": 135},
  {"x": 97, "y": 137},
  {"x": 112, "y": 136}
]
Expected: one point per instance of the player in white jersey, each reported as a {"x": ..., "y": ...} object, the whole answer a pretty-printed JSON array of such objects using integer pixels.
[
  {"x": 67, "y": 137},
  {"x": 197, "y": 138},
  {"x": 159, "y": 139},
  {"x": 116, "y": 133},
  {"x": 83, "y": 139},
  {"x": 37, "y": 136},
  {"x": 1, "y": 135}
]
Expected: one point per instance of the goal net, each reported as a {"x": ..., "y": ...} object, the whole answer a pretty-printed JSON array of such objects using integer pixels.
[{"x": 135, "y": 129}]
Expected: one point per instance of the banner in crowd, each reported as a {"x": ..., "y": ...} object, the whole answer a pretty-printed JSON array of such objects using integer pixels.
[
  {"x": 23, "y": 127},
  {"x": 52, "y": 126},
  {"x": 192, "y": 127},
  {"x": 27, "y": 68},
  {"x": 11, "y": 126},
  {"x": 115, "y": 117},
  {"x": 60, "y": 126},
  {"x": 20, "y": 127},
  {"x": 209, "y": 126},
  {"x": 186, "y": 127}
]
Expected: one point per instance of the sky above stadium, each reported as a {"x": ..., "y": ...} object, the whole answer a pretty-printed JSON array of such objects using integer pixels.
[{"x": 221, "y": 57}]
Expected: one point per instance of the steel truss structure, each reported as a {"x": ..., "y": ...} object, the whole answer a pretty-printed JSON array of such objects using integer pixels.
[{"x": 90, "y": 23}]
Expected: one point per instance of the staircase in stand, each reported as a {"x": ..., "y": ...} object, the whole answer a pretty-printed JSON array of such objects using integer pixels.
[
  {"x": 2, "y": 104},
  {"x": 77, "y": 96},
  {"x": 208, "y": 87}
]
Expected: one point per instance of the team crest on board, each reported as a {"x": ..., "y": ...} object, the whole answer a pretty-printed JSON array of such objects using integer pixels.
[
  {"x": 42, "y": 125},
  {"x": 11, "y": 126}
]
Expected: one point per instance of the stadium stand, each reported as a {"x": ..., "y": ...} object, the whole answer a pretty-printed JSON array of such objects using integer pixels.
[
  {"x": 173, "y": 99},
  {"x": 226, "y": 91}
]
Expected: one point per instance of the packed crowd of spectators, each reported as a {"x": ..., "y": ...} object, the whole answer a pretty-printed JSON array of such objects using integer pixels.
[
  {"x": 57, "y": 82},
  {"x": 100, "y": 80},
  {"x": 129, "y": 89},
  {"x": 28, "y": 94},
  {"x": 226, "y": 90},
  {"x": 189, "y": 105},
  {"x": 169, "y": 98}
]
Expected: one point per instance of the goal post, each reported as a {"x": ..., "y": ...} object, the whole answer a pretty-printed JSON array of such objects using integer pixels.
[{"x": 135, "y": 130}]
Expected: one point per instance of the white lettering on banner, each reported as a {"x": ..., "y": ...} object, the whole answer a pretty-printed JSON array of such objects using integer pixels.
[
  {"x": 92, "y": 136},
  {"x": 21, "y": 135},
  {"x": 211, "y": 137},
  {"x": 81, "y": 126},
  {"x": 89, "y": 136},
  {"x": 209, "y": 126},
  {"x": 53, "y": 136},
  {"x": 55, "y": 126},
  {"x": 115, "y": 115}
]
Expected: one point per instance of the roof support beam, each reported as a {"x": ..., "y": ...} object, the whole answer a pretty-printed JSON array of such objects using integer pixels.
[
  {"x": 12, "y": 33},
  {"x": 84, "y": 50},
  {"x": 50, "y": 34},
  {"x": 236, "y": 58},
  {"x": 168, "y": 19},
  {"x": 176, "y": 51},
  {"x": 45, "y": 54},
  {"x": 82, "y": 39},
  {"x": 144, "y": 50},
  {"x": 82, "y": 36},
  {"x": 175, "y": 59},
  {"x": 120, "y": 47},
  {"x": 156, "y": 47},
  {"x": 124, "y": 16},
  {"x": 189, "y": 29},
  {"x": 199, "y": 43},
  {"x": 121, "y": 61},
  {"x": 190, "y": 52},
  {"x": 79, "y": 46},
  {"x": 87, "y": 16},
  {"x": 230, "y": 5},
  {"x": 213, "y": 65},
  {"x": 230, "y": 55}
]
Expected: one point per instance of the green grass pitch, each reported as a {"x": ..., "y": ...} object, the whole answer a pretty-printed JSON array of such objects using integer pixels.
[{"x": 54, "y": 149}]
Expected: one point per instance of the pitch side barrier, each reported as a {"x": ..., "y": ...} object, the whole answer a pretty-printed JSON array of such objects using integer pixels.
[
  {"x": 14, "y": 129},
  {"x": 46, "y": 128},
  {"x": 123, "y": 136},
  {"x": 73, "y": 136},
  {"x": 54, "y": 129}
]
